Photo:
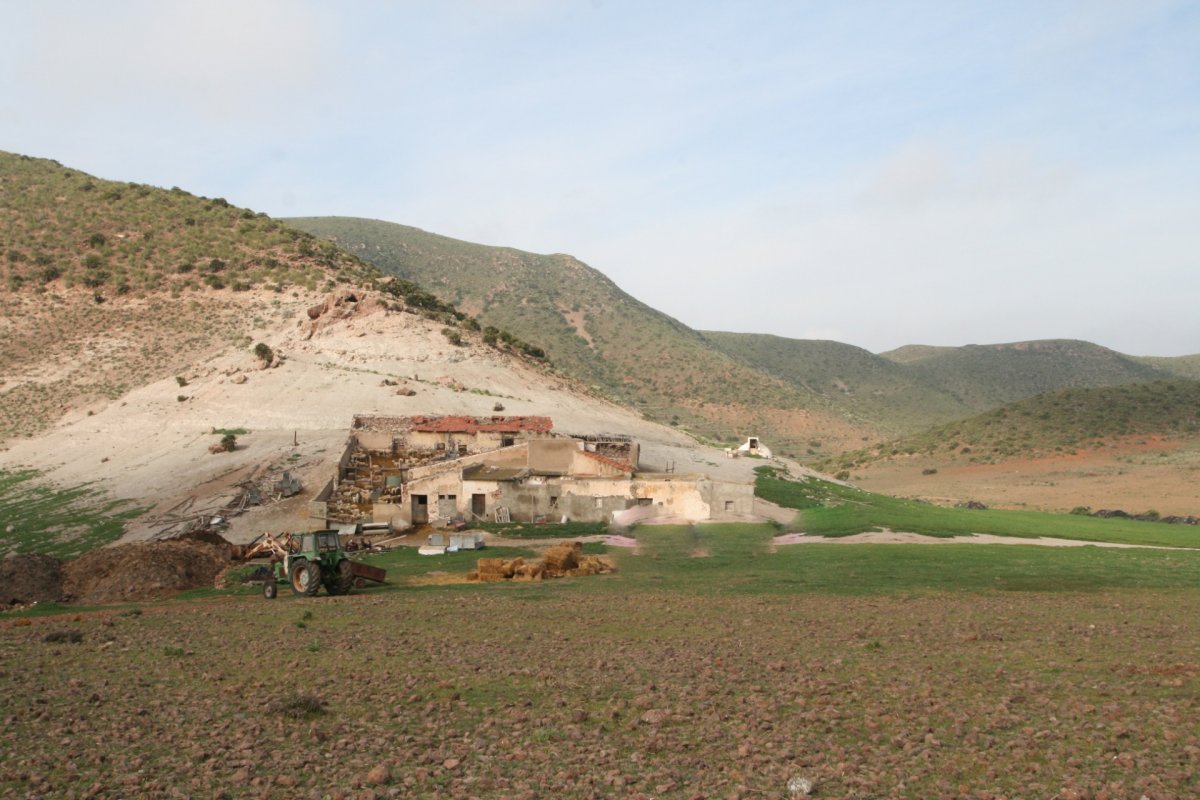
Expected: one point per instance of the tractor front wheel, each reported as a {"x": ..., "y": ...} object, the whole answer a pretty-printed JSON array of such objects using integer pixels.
[
  {"x": 306, "y": 577},
  {"x": 270, "y": 589}
]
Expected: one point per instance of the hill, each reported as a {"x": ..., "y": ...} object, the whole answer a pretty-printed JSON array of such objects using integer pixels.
[
  {"x": 1056, "y": 422},
  {"x": 596, "y": 332},
  {"x": 987, "y": 376},
  {"x": 108, "y": 286},
  {"x": 1181, "y": 366},
  {"x": 1134, "y": 447},
  {"x": 141, "y": 325},
  {"x": 846, "y": 377}
]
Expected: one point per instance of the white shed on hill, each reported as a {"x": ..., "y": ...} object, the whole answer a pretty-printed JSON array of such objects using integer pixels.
[{"x": 753, "y": 447}]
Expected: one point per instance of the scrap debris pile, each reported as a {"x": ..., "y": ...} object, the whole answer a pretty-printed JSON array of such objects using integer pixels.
[
  {"x": 257, "y": 490},
  {"x": 557, "y": 562}
]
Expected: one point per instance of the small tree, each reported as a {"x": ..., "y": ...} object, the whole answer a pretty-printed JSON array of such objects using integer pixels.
[{"x": 229, "y": 442}]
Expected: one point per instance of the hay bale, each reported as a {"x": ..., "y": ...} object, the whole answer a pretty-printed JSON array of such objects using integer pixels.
[
  {"x": 562, "y": 557},
  {"x": 490, "y": 566}
]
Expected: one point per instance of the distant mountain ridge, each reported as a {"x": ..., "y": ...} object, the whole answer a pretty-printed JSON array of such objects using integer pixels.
[
  {"x": 916, "y": 386},
  {"x": 720, "y": 384}
]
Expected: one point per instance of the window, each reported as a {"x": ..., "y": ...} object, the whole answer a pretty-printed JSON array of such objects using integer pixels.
[
  {"x": 729, "y": 505},
  {"x": 440, "y": 446},
  {"x": 462, "y": 449},
  {"x": 507, "y": 441},
  {"x": 553, "y": 501}
]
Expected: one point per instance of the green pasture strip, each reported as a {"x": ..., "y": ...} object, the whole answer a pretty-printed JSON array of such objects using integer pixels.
[
  {"x": 830, "y": 509},
  {"x": 528, "y": 530},
  {"x": 62, "y": 522},
  {"x": 738, "y": 563}
]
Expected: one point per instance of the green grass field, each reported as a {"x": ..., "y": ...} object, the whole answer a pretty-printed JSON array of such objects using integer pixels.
[
  {"x": 62, "y": 522},
  {"x": 831, "y": 509}
]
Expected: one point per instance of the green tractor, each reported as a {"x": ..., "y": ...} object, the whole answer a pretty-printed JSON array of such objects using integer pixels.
[{"x": 314, "y": 559}]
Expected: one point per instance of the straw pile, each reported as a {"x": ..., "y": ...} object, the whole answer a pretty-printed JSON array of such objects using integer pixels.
[{"x": 557, "y": 562}]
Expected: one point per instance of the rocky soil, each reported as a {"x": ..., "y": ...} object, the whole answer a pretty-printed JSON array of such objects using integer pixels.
[{"x": 580, "y": 690}]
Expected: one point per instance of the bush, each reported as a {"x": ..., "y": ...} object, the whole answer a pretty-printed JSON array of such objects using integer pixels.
[
  {"x": 929, "y": 471},
  {"x": 264, "y": 352},
  {"x": 1082, "y": 511},
  {"x": 97, "y": 240},
  {"x": 452, "y": 336},
  {"x": 182, "y": 381},
  {"x": 229, "y": 442}
]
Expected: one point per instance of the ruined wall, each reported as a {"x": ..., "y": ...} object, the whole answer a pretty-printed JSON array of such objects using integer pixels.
[
  {"x": 375, "y": 441},
  {"x": 516, "y": 456},
  {"x": 434, "y": 487},
  {"x": 552, "y": 455},
  {"x": 554, "y": 498},
  {"x": 728, "y": 499}
]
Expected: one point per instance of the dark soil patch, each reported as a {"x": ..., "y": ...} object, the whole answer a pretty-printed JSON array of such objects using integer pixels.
[{"x": 30, "y": 578}]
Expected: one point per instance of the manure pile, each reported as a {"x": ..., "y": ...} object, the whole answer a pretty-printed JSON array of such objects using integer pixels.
[
  {"x": 142, "y": 571},
  {"x": 30, "y": 578}
]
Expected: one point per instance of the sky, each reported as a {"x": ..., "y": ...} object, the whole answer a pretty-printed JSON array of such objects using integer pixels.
[{"x": 878, "y": 173}]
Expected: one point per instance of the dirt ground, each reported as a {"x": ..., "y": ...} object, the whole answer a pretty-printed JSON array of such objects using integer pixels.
[
  {"x": 530, "y": 692},
  {"x": 1136, "y": 476}
]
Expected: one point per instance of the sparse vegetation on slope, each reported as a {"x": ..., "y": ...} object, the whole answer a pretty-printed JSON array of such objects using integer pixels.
[
  {"x": 1057, "y": 422},
  {"x": 987, "y": 376},
  {"x": 871, "y": 387},
  {"x": 107, "y": 286},
  {"x": 62, "y": 228},
  {"x": 64, "y": 522}
]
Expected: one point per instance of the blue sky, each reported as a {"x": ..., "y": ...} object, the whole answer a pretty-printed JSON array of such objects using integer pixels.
[{"x": 876, "y": 173}]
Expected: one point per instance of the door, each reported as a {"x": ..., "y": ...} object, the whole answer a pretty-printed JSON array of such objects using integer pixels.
[
  {"x": 479, "y": 505},
  {"x": 420, "y": 509}
]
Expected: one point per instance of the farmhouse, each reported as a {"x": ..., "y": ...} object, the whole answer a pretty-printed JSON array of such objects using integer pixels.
[{"x": 436, "y": 470}]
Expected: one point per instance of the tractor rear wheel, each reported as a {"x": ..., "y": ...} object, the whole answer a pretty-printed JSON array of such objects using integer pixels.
[
  {"x": 342, "y": 580},
  {"x": 306, "y": 577}
]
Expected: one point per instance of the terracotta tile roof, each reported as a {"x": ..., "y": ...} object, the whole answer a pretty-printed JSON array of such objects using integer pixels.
[
  {"x": 623, "y": 466},
  {"x": 464, "y": 424}
]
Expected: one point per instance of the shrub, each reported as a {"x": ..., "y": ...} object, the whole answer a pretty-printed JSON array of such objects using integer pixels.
[
  {"x": 93, "y": 261},
  {"x": 182, "y": 381},
  {"x": 97, "y": 240},
  {"x": 1082, "y": 511},
  {"x": 229, "y": 442},
  {"x": 929, "y": 471},
  {"x": 452, "y": 336},
  {"x": 264, "y": 352}
]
